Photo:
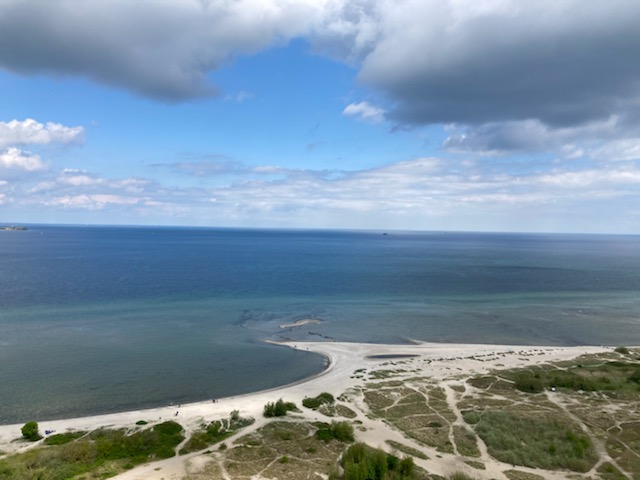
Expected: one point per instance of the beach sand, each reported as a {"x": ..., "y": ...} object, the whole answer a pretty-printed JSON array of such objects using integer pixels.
[{"x": 439, "y": 362}]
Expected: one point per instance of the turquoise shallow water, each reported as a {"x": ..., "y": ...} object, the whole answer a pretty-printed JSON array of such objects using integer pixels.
[{"x": 106, "y": 319}]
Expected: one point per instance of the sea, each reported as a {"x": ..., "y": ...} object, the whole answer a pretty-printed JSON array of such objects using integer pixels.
[{"x": 105, "y": 319}]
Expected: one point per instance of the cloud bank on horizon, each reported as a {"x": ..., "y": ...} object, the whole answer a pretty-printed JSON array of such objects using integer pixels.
[{"x": 512, "y": 107}]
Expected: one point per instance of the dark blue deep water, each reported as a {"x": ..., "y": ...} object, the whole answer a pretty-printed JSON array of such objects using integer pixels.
[{"x": 98, "y": 319}]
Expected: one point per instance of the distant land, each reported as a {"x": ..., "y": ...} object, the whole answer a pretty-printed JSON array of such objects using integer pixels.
[{"x": 12, "y": 227}]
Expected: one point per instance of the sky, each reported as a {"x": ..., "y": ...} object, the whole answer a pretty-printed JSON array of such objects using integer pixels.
[{"x": 455, "y": 115}]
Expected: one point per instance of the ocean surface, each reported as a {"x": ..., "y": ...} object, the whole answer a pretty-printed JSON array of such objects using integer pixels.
[{"x": 103, "y": 319}]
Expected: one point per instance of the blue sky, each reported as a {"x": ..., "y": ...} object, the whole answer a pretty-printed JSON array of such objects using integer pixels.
[{"x": 424, "y": 115}]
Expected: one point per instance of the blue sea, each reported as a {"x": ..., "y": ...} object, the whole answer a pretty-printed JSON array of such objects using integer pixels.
[{"x": 103, "y": 319}]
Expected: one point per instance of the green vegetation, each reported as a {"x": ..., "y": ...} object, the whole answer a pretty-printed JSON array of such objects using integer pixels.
[
  {"x": 215, "y": 432},
  {"x": 103, "y": 452},
  {"x": 315, "y": 402},
  {"x": 258, "y": 453},
  {"x": 361, "y": 462},
  {"x": 62, "y": 438},
  {"x": 610, "y": 376},
  {"x": 341, "y": 431},
  {"x": 141, "y": 422},
  {"x": 414, "y": 452},
  {"x": 519, "y": 475},
  {"x": 536, "y": 441},
  {"x": 279, "y": 408},
  {"x": 465, "y": 441},
  {"x": 30, "y": 431},
  {"x": 529, "y": 383},
  {"x": 460, "y": 476},
  {"x": 622, "y": 350}
]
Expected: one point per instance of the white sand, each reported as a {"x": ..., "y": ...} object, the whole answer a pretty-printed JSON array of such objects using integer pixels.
[{"x": 436, "y": 361}]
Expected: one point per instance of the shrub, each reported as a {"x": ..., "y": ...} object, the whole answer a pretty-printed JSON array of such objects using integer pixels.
[
  {"x": 529, "y": 383},
  {"x": 30, "y": 431},
  {"x": 279, "y": 408},
  {"x": 622, "y": 350},
  {"x": 341, "y": 431},
  {"x": 363, "y": 462},
  {"x": 315, "y": 402}
]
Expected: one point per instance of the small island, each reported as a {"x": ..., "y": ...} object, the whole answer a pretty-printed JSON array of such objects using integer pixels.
[{"x": 13, "y": 227}]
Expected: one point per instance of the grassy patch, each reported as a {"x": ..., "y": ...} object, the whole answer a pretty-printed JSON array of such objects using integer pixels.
[
  {"x": 62, "y": 438},
  {"x": 103, "y": 452},
  {"x": 607, "y": 376},
  {"x": 215, "y": 432},
  {"x": 536, "y": 441},
  {"x": 475, "y": 464},
  {"x": 520, "y": 475},
  {"x": 466, "y": 441},
  {"x": 609, "y": 472},
  {"x": 255, "y": 453},
  {"x": 414, "y": 452}
]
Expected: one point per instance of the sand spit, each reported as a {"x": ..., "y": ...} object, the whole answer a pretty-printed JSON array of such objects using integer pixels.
[
  {"x": 438, "y": 362},
  {"x": 301, "y": 323}
]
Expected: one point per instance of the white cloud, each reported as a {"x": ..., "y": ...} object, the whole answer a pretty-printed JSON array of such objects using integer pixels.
[
  {"x": 365, "y": 111},
  {"x": 91, "y": 202},
  {"x": 30, "y": 132},
  {"x": 625, "y": 150},
  {"x": 14, "y": 158}
]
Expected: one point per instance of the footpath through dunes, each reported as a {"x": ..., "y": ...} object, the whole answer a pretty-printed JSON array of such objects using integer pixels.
[{"x": 484, "y": 411}]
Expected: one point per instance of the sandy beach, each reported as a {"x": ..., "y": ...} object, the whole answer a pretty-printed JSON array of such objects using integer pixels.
[{"x": 438, "y": 362}]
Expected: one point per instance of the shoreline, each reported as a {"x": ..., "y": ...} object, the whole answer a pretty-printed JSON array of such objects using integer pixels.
[
  {"x": 342, "y": 358},
  {"x": 440, "y": 363}
]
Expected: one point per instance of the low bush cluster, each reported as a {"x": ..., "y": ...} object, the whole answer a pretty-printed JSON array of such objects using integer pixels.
[
  {"x": 361, "y": 462},
  {"x": 323, "y": 399},
  {"x": 279, "y": 408},
  {"x": 341, "y": 431}
]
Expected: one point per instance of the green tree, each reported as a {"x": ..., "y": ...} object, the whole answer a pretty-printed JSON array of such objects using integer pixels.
[{"x": 30, "y": 431}]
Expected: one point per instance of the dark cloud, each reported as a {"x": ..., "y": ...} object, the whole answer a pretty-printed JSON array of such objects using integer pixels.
[
  {"x": 162, "y": 50},
  {"x": 563, "y": 63}
]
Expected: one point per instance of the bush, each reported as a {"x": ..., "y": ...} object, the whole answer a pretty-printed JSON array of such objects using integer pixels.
[
  {"x": 279, "y": 408},
  {"x": 315, "y": 402},
  {"x": 363, "y": 462},
  {"x": 30, "y": 431},
  {"x": 622, "y": 350},
  {"x": 341, "y": 431},
  {"x": 529, "y": 383}
]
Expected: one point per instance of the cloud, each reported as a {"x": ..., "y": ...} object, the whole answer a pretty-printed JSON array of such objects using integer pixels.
[
  {"x": 364, "y": 111},
  {"x": 420, "y": 193},
  {"x": 30, "y": 132},
  {"x": 14, "y": 158},
  {"x": 163, "y": 50},
  {"x": 562, "y": 62}
]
